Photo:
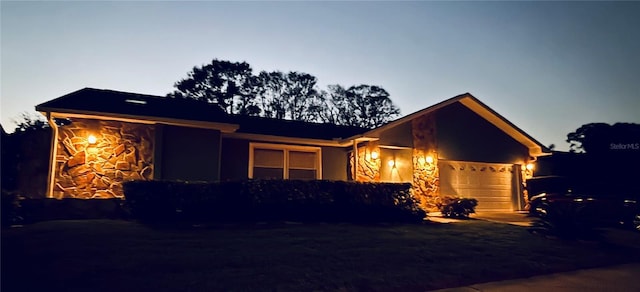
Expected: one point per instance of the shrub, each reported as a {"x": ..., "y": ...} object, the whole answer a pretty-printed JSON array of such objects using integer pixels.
[
  {"x": 267, "y": 200},
  {"x": 11, "y": 208},
  {"x": 457, "y": 207},
  {"x": 34, "y": 210}
]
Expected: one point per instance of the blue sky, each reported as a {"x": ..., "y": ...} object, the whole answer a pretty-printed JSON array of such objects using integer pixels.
[{"x": 548, "y": 67}]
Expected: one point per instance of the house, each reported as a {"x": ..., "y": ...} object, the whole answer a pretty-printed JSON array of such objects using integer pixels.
[{"x": 458, "y": 147}]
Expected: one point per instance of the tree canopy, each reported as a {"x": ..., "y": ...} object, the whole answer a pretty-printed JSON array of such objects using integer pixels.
[
  {"x": 599, "y": 138},
  {"x": 285, "y": 95},
  {"x": 26, "y": 122}
]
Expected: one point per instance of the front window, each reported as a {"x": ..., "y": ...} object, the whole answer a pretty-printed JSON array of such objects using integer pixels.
[{"x": 278, "y": 161}]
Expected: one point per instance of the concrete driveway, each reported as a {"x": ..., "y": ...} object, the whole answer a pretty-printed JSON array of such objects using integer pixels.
[{"x": 519, "y": 218}]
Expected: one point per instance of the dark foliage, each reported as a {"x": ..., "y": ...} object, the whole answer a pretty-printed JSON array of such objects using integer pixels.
[
  {"x": 270, "y": 200},
  {"x": 25, "y": 161},
  {"x": 567, "y": 221},
  {"x": 602, "y": 138},
  {"x": 285, "y": 95},
  {"x": 457, "y": 207},
  {"x": 10, "y": 209},
  {"x": 19, "y": 210}
]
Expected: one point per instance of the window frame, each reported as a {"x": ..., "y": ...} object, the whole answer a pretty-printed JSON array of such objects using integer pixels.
[{"x": 286, "y": 148}]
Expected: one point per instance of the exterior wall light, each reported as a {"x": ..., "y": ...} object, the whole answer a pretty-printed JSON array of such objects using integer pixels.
[
  {"x": 92, "y": 139},
  {"x": 530, "y": 166},
  {"x": 392, "y": 163},
  {"x": 374, "y": 155},
  {"x": 429, "y": 159}
]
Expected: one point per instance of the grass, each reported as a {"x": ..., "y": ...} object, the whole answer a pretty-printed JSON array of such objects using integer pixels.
[{"x": 103, "y": 255}]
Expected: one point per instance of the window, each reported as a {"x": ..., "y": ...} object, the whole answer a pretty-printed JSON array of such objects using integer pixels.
[{"x": 284, "y": 161}]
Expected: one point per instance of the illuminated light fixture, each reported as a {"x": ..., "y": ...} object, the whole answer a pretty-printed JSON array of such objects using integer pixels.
[
  {"x": 391, "y": 163},
  {"x": 374, "y": 154},
  {"x": 92, "y": 139},
  {"x": 429, "y": 159},
  {"x": 136, "y": 101},
  {"x": 530, "y": 166}
]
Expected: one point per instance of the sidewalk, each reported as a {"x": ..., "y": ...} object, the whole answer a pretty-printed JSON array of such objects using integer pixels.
[{"x": 613, "y": 278}]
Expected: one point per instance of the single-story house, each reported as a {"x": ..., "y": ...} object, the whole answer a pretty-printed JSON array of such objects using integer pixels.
[{"x": 458, "y": 147}]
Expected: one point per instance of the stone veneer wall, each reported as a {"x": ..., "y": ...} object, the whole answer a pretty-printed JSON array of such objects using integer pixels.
[
  {"x": 368, "y": 168},
  {"x": 425, "y": 174},
  {"x": 123, "y": 151}
]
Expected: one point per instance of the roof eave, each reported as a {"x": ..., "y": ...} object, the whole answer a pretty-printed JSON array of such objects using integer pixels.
[
  {"x": 285, "y": 139},
  {"x": 67, "y": 113}
]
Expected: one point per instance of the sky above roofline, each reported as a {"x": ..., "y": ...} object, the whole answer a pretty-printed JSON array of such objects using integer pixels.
[{"x": 547, "y": 67}]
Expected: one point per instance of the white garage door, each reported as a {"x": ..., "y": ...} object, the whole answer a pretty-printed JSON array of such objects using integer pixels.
[{"x": 490, "y": 183}]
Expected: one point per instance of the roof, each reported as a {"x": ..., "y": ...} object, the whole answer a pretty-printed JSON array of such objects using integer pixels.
[
  {"x": 298, "y": 129},
  {"x": 125, "y": 106},
  {"x": 133, "y": 107},
  {"x": 101, "y": 102},
  {"x": 535, "y": 148}
]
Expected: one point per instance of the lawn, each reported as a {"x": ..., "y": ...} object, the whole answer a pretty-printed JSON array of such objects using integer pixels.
[{"x": 103, "y": 255}]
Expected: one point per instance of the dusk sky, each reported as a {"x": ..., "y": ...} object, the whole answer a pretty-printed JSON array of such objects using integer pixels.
[{"x": 547, "y": 67}]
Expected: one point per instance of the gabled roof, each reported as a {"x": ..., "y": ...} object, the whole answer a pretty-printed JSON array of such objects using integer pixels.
[
  {"x": 125, "y": 106},
  {"x": 133, "y": 107},
  {"x": 535, "y": 148}
]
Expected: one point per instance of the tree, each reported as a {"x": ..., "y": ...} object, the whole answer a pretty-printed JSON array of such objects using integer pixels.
[
  {"x": 279, "y": 95},
  {"x": 291, "y": 95},
  {"x": 29, "y": 122},
  {"x": 300, "y": 98},
  {"x": 363, "y": 105},
  {"x": 272, "y": 88},
  {"x": 339, "y": 109},
  {"x": 599, "y": 138},
  {"x": 227, "y": 84}
]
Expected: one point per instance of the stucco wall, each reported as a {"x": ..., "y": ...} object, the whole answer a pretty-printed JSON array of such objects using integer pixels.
[
  {"x": 190, "y": 154},
  {"x": 334, "y": 163},
  {"x": 235, "y": 159},
  {"x": 400, "y": 135},
  {"x": 396, "y": 165},
  {"x": 465, "y": 136}
]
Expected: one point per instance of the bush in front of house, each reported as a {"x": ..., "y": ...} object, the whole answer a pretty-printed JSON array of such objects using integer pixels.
[
  {"x": 457, "y": 207},
  {"x": 11, "y": 208},
  {"x": 18, "y": 209},
  {"x": 271, "y": 200}
]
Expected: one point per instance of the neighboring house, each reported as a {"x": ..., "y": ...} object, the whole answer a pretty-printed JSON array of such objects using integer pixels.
[{"x": 458, "y": 147}]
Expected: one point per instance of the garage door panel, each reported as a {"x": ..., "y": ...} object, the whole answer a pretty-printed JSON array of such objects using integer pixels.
[{"x": 490, "y": 183}]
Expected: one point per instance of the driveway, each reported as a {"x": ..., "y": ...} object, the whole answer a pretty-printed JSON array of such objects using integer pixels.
[
  {"x": 519, "y": 218},
  {"x": 615, "y": 278}
]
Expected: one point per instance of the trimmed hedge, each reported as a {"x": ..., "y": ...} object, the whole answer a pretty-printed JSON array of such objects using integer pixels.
[
  {"x": 21, "y": 210},
  {"x": 10, "y": 208},
  {"x": 270, "y": 200}
]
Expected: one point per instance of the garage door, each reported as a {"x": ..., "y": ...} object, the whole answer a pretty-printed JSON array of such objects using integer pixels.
[{"x": 490, "y": 183}]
